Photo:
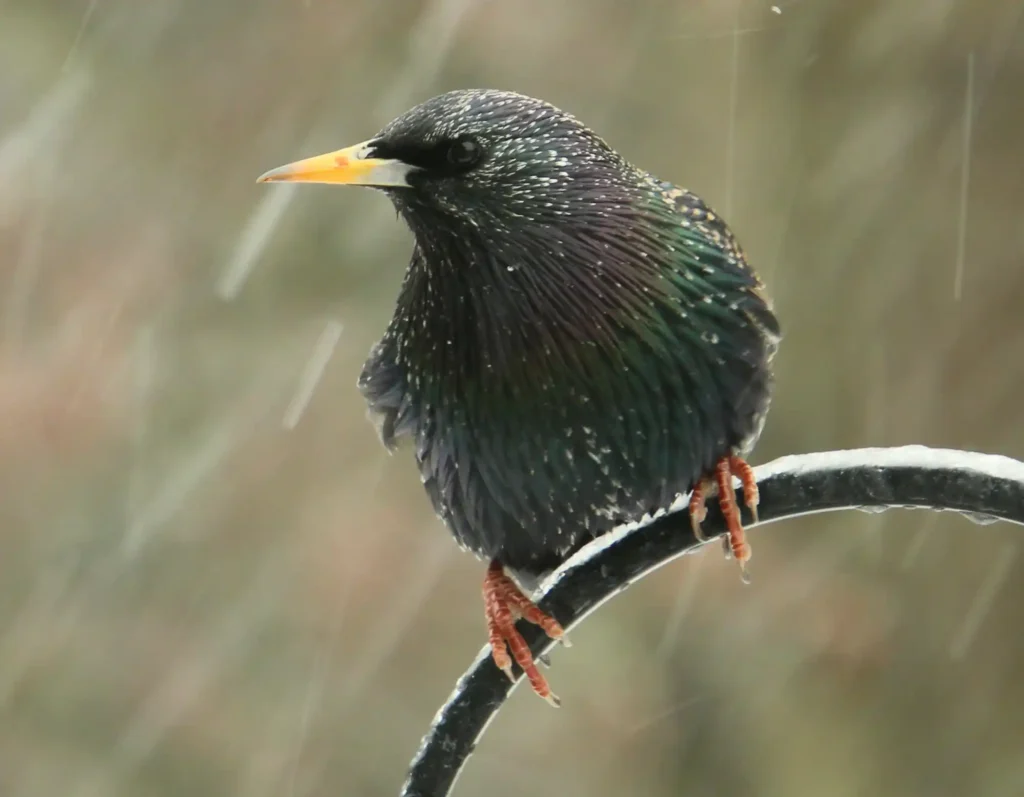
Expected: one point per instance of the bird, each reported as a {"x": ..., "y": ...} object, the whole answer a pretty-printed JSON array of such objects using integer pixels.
[{"x": 575, "y": 345}]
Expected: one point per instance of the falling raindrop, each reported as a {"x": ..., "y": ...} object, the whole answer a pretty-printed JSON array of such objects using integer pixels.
[
  {"x": 312, "y": 374},
  {"x": 982, "y": 603},
  {"x": 965, "y": 179},
  {"x": 254, "y": 239}
]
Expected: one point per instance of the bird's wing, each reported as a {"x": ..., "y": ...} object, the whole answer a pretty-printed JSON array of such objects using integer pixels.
[
  {"x": 382, "y": 383},
  {"x": 710, "y": 237}
]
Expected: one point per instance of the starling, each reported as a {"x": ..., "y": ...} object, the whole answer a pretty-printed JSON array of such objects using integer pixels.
[{"x": 575, "y": 344}]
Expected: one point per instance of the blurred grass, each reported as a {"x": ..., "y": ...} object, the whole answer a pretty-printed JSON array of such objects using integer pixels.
[{"x": 197, "y": 601}]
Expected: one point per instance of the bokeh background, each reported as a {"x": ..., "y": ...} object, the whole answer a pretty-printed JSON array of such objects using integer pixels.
[{"x": 215, "y": 583}]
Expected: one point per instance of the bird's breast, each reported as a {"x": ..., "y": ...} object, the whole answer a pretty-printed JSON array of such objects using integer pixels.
[{"x": 535, "y": 449}]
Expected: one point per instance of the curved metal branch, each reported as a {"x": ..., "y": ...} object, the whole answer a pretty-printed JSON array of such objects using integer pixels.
[{"x": 983, "y": 487}]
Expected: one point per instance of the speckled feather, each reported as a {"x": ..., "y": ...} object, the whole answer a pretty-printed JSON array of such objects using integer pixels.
[{"x": 575, "y": 342}]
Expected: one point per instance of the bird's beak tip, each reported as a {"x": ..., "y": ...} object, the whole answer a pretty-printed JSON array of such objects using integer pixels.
[
  {"x": 270, "y": 176},
  {"x": 350, "y": 166}
]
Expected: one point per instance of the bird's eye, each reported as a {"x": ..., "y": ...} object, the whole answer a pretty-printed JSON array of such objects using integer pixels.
[{"x": 463, "y": 152}]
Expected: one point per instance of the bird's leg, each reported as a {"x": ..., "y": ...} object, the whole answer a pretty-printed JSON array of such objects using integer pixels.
[
  {"x": 737, "y": 541},
  {"x": 745, "y": 473},
  {"x": 504, "y": 603},
  {"x": 698, "y": 507}
]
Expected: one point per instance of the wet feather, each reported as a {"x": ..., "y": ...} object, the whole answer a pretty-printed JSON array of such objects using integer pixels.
[{"x": 576, "y": 342}]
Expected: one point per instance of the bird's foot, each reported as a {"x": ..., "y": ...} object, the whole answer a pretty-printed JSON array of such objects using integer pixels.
[
  {"x": 742, "y": 471},
  {"x": 735, "y": 543},
  {"x": 698, "y": 506},
  {"x": 505, "y": 603}
]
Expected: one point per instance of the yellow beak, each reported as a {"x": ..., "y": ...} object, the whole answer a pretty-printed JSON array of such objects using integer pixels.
[{"x": 350, "y": 166}]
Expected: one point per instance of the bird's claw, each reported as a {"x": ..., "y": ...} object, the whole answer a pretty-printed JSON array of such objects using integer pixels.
[
  {"x": 739, "y": 468},
  {"x": 504, "y": 603},
  {"x": 735, "y": 542},
  {"x": 698, "y": 508}
]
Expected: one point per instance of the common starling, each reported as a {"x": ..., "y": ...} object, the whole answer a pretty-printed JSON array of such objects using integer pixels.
[{"x": 576, "y": 342}]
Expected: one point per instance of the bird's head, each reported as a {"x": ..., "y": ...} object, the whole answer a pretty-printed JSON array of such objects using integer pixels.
[{"x": 481, "y": 156}]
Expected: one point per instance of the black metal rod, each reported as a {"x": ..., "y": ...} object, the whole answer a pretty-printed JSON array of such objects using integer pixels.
[{"x": 983, "y": 487}]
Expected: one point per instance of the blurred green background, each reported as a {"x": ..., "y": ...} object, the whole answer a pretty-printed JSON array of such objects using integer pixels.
[{"x": 216, "y": 583}]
